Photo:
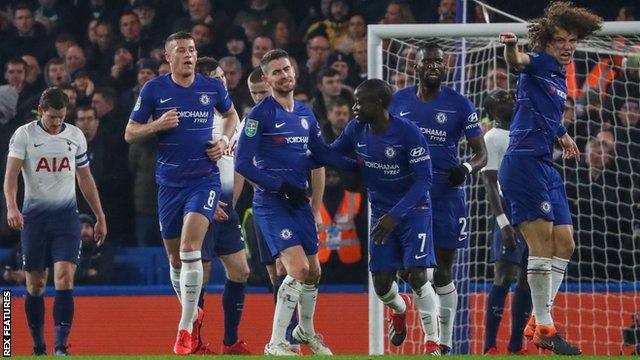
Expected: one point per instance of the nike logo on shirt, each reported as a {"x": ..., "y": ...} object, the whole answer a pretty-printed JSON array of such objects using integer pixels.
[
  {"x": 278, "y": 126},
  {"x": 36, "y": 145},
  {"x": 418, "y": 257},
  {"x": 361, "y": 145},
  {"x": 403, "y": 113},
  {"x": 162, "y": 101}
]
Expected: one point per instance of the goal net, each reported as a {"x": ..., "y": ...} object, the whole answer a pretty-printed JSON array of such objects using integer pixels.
[{"x": 602, "y": 285}]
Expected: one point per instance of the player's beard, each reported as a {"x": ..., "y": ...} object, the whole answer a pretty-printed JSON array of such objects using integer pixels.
[{"x": 285, "y": 89}]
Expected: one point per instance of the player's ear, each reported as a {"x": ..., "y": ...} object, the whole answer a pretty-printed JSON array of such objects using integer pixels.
[{"x": 40, "y": 110}]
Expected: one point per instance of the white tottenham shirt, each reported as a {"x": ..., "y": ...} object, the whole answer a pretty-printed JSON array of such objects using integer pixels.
[{"x": 49, "y": 169}]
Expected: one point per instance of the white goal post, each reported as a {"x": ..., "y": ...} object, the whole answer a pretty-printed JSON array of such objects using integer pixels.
[{"x": 460, "y": 35}]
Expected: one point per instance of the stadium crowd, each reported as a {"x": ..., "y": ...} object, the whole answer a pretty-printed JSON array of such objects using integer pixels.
[{"x": 102, "y": 52}]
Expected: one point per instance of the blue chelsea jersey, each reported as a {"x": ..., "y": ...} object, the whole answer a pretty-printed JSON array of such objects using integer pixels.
[
  {"x": 443, "y": 120},
  {"x": 537, "y": 119},
  {"x": 181, "y": 151},
  {"x": 395, "y": 165}
]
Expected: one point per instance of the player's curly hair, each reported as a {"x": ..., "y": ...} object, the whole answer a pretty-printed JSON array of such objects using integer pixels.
[{"x": 564, "y": 15}]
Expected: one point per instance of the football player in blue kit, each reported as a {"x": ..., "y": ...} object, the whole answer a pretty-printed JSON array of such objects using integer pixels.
[
  {"x": 443, "y": 116},
  {"x": 508, "y": 251},
  {"x": 531, "y": 186},
  {"x": 394, "y": 161},
  {"x": 272, "y": 154},
  {"x": 224, "y": 238},
  {"x": 178, "y": 109}
]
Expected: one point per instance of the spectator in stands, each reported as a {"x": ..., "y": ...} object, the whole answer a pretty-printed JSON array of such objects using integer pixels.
[
  {"x": 96, "y": 262},
  {"x": 317, "y": 52},
  {"x": 131, "y": 32},
  {"x": 201, "y": 11},
  {"x": 342, "y": 233},
  {"x": 236, "y": 44},
  {"x": 285, "y": 39},
  {"x": 56, "y": 16},
  {"x": 338, "y": 115},
  {"x": 202, "y": 38},
  {"x": 356, "y": 32},
  {"x": 263, "y": 12},
  {"x": 16, "y": 97},
  {"x": 497, "y": 78},
  {"x": 100, "y": 55},
  {"x": 625, "y": 13},
  {"x": 72, "y": 94},
  {"x": 147, "y": 70},
  {"x": 151, "y": 29},
  {"x": 335, "y": 26},
  {"x": 447, "y": 11},
  {"x": 329, "y": 89},
  {"x": 627, "y": 134},
  {"x": 123, "y": 72},
  {"x": 87, "y": 121},
  {"x": 26, "y": 36},
  {"x": 164, "y": 68},
  {"x": 599, "y": 193},
  {"x": 84, "y": 85},
  {"x": 398, "y": 12},
  {"x": 360, "y": 57},
  {"x": 55, "y": 72},
  {"x": 233, "y": 72},
  {"x": 63, "y": 42},
  {"x": 261, "y": 45},
  {"x": 344, "y": 64},
  {"x": 398, "y": 80},
  {"x": 625, "y": 84},
  {"x": 34, "y": 72},
  {"x": 74, "y": 59},
  {"x": 92, "y": 38},
  {"x": 142, "y": 164}
]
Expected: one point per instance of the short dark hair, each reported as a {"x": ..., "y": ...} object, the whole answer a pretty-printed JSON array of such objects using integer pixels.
[
  {"x": 87, "y": 107},
  {"x": 256, "y": 75},
  {"x": 430, "y": 45},
  {"x": 180, "y": 35},
  {"x": 108, "y": 93},
  {"x": 53, "y": 98},
  {"x": 339, "y": 101},
  {"x": 130, "y": 12},
  {"x": 327, "y": 72},
  {"x": 15, "y": 61},
  {"x": 270, "y": 56},
  {"x": 21, "y": 6},
  {"x": 377, "y": 89},
  {"x": 205, "y": 65}
]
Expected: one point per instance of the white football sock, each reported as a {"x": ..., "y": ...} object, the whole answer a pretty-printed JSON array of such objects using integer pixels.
[
  {"x": 288, "y": 297},
  {"x": 393, "y": 300},
  {"x": 539, "y": 278},
  {"x": 174, "y": 275},
  {"x": 558, "y": 266},
  {"x": 448, "y": 296},
  {"x": 426, "y": 301},
  {"x": 190, "y": 287},
  {"x": 307, "y": 307}
]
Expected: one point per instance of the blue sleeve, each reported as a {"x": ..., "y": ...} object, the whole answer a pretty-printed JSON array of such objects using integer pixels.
[
  {"x": 420, "y": 165},
  {"x": 248, "y": 145},
  {"x": 393, "y": 107},
  {"x": 143, "y": 109},
  {"x": 537, "y": 62},
  {"x": 224, "y": 102},
  {"x": 471, "y": 124},
  {"x": 330, "y": 155}
]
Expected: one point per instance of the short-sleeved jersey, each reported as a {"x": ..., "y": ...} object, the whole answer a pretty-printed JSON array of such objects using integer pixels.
[
  {"x": 226, "y": 162},
  {"x": 49, "y": 169},
  {"x": 537, "y": 119},
  {"x": 391, "y": 164},
  {"x": 181, "y": 151},
  {"x": 273, "y": 145},
  {"x": 442, "y": 121},
  {"x": 497, "y": 141}
]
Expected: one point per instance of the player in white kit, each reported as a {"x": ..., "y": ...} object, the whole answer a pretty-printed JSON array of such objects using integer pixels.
[{"x": 51, "y": 155}]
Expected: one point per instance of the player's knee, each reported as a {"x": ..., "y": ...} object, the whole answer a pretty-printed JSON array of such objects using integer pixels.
[
  {"x": 300, "y": 272},
  {"x": 417, "y": 278},
  {"x": 63, "y": 280},
  {"x": 382, "y": 285},
  {"x": 442, "y": 276},
  {"x": 239, "y": 273},
  {"x": 503, "y": 280},
  {"x": 36, "y": 287},
  {"x": 175, "y": 262},
  {"x": 313, "y": 277}
]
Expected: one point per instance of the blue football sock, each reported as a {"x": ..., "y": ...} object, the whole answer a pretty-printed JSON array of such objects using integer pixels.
[
  {"x": 495, "y": 308},
  {"x": 62, "y": 316},
  {"x": 520, "y": 313},
  {"x": 232, "y": 303},
  {"x": 34, "y": 308}
]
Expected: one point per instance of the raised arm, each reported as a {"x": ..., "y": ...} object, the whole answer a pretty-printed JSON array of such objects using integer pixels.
[
  {"x": 136, "y": 132},
  {"x": 513, "y": 56}
]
